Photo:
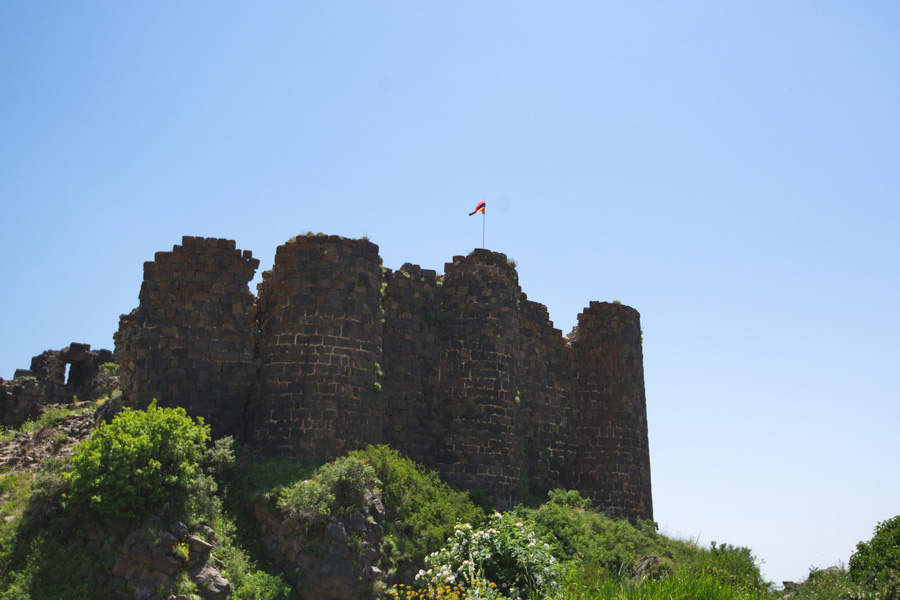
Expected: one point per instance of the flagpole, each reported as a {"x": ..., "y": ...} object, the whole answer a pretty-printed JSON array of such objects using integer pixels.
[{"x": 483, "y": 219}]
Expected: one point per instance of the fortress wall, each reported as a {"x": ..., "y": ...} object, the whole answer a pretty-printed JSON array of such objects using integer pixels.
[
  {"x": 45, "y": 382},
  {"x": 482, "y": 445},
  {"x": 545, "y": 390},
  {"x": 319, "y": 342},
  {"x": 190, "y": 341},
  {"x": 474, "y": 380},
  {"x": 19, "y": 400},
  {"x": 410, "y": 361},
  {"x": 612, "y": 460}
]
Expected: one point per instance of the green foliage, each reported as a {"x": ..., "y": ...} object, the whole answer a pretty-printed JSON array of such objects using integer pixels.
[
  {"x": 110, "y": 369},
  {"x": 688, "y": 585},
  {"x": 139, "y": 461},
  {"x": 425, "y": 508},
  {"x": 619, "y": 302},
  {"x": 248, "y": 580},
  {"x": 876, "y": 564},
  {"x": 829, "y": 584},
  {"x": 339, "y": 487},
  {"x": 512, "y": 262},
  {"x": 505, "y": 552},
  {"x": 568, "y": 498},
  {"x": 598, "y": 546},
  {"x": 575, "y": 534},
  {"x": 310, "y": 499},
  {"x": 53, "y": 416}
]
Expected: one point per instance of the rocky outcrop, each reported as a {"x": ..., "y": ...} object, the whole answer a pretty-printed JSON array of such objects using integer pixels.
[
  {"x": 153, "y": 556},
  {"x": 334, "y": 560}
]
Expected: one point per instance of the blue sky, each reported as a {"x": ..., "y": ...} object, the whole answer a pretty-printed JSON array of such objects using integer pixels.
[{"x": 728, "y": 169}]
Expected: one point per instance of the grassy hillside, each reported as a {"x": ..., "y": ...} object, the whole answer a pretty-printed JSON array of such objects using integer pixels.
[{"x": 64, "y": 522}]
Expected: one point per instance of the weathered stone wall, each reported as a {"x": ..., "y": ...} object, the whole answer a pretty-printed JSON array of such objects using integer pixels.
[
  {"x": 411, "y": 360},
  {"x": 483, "y": 445},
  {"x": 461, "y": 372},
  {"x": 611, "y": 461},
  {"x": 319, "y": 342},
  {"x": 45, "y": 382},
  {"x": 190, "y": 341},
  {"x": 545, "y": 392}
]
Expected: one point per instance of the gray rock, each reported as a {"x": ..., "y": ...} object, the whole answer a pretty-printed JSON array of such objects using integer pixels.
[
  {"x": 167, "y": 540},
  {"x": 211, "y": 583},
  {"x": 336, "y": 531},
  {"x": 141, "y": 553},
  {"x": 145, "y": 590},
  {"x": 198, "y": 545},
  {"x": 180, "y": 530},
  {"x": 166, "y": 564}
]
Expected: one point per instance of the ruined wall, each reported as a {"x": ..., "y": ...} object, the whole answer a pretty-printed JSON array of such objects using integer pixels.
[
  {"x": 545, "y": 391},
  {"x": 611, "y": 462},
  {"x": 461, "y": 372},
  {"x": 411, "y": 360},
  {"x": 190, "y": 341},
  {"x": 46, "y": 382},
  {"x": 319, "y": 342}
]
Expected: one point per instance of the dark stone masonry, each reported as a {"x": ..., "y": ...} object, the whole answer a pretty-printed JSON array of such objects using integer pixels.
[{"x": 460, "y": 371}]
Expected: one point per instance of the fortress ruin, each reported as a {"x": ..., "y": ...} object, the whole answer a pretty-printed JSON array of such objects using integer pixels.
[{"x": 461, "y": 371}]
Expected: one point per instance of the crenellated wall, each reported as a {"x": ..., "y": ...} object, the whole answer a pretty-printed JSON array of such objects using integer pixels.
[
  {"x": 190, "y": 341},
  {"x": 319, "y": 342},
  {"x": 461, "y": 372}
]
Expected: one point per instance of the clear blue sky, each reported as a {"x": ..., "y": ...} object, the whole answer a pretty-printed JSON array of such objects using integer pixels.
[{"x": 731, "y": 170}]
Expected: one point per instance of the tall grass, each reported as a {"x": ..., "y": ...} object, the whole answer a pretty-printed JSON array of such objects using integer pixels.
[{"x": 691, "y": 585}]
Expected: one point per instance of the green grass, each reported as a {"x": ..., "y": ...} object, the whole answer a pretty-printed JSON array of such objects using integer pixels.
[{"x": 699, "y": 585}]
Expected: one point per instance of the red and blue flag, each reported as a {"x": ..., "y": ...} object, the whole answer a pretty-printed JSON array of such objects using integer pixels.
[{"x": 479, "y": 208}]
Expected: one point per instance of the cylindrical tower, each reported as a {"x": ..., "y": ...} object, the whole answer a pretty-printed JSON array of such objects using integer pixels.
[
  {"x": 190, "y": 341},
  {"x": 482, "y": 446},
  {"x": 319, "y": 343},
  {"x": 609, "y": 414}
]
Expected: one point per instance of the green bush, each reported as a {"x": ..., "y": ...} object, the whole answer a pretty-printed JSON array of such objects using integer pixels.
[
  {"x": 876, "y": 564},
  {"x": 141, "y": 460},
  {"x": 506, "y": 553},
  {"x": 426, "y": 508},
  {"x": 339, "y": 487},
  {"x": 568, "y": 498},
  {"x": 110, "y": 369}
]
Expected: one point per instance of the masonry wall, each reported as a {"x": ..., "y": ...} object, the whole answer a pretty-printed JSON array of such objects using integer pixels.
[
  {"x": 545, "y": 392},
  {"x": 319, "y": 342},
  {"x": 479, "y": 370},
  {"x": 46, "y": 382},
  {"x": 190, "y": 341},
  {"x": 461, "y": 372},
  {"x": 411, "y": 361},
  {"x": 611, "y": 461}
]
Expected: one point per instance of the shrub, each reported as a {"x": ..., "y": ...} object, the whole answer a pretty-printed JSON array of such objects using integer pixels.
[
  {"x": 110, "y": 369},
  {"x": 140, "y": 460},
  {"x": 339, "y": 487},
  {"x": 427, "y": 508},
  {"x": 876, "y": 564},
  {"x": 568, "y": 498},
  {"x": 506, "y": 553}
]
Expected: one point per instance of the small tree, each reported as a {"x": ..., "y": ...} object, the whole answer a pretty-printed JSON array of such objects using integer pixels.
[
  {"x": 876, "y": 564},
  {"x": 140, "y": 461}
]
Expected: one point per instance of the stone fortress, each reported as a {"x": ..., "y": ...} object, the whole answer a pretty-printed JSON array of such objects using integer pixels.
[{"x": 460, "y": 371}]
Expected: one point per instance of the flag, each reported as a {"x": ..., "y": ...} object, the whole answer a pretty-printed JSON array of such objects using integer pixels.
[{"x": 479, "y": 208}]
